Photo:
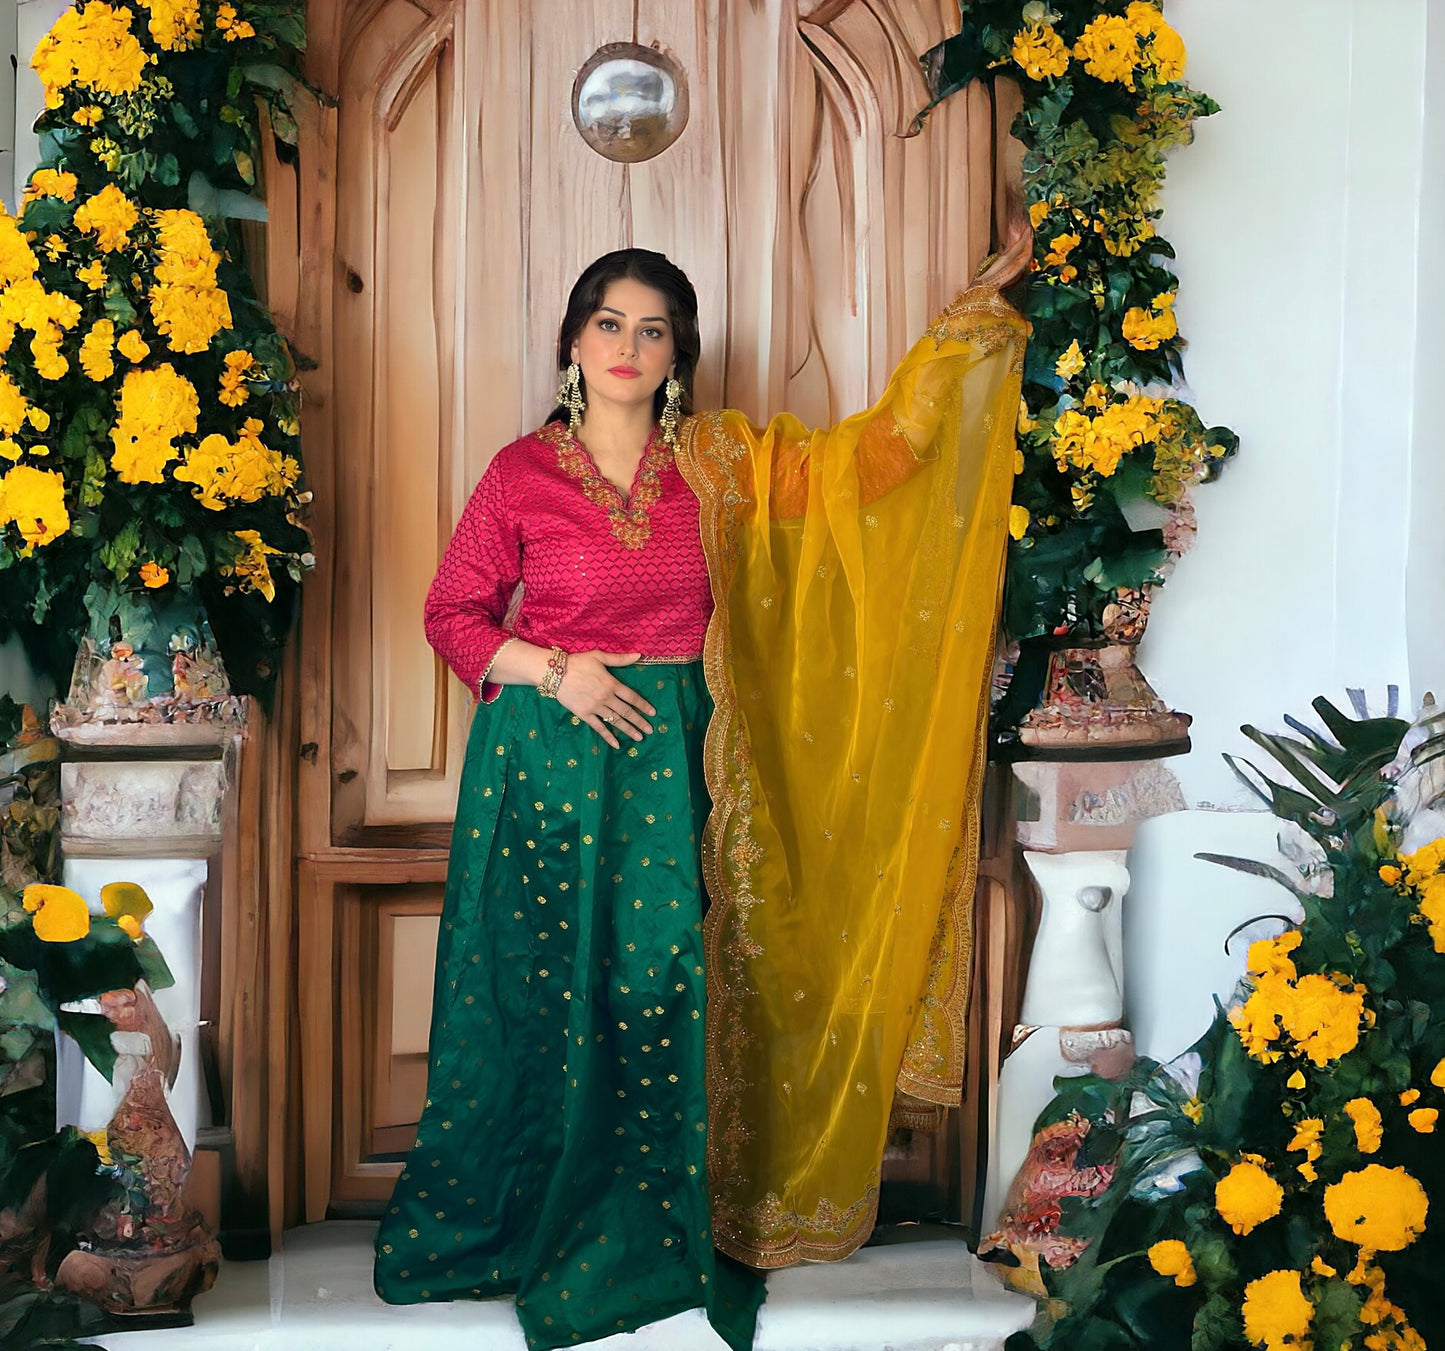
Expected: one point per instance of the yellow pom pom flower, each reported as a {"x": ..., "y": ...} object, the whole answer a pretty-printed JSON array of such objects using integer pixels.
[
  {"x": 60, "y": 915},
  {"x": 1277, "y": 1312},
  {"x": 1247, "y": 1196},
  {"x": 155, "y": 407},
  {"x": 1170, "y": 1257},
  {"x": 1109, "y": 49},
  {"x": 1366, "y": 1118},
  {"x": 1040, "y": 52},
  {"x": 110, "y": 216},
  {"x": 33, "y": 501},
  {"x": 1380, "y": 1209},
  {"x": 1423, "y": 1119}
]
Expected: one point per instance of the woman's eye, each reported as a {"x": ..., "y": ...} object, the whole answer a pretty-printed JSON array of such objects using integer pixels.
[
  {"x": 652, "y": 333},
  {"x": 607, "y": 324}
]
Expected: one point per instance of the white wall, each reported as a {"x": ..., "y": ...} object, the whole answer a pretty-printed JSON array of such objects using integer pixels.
[{"x": 1297, "y": 217}]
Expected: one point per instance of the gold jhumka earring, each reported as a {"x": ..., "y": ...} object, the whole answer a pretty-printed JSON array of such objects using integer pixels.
[
  {"x": 569, "y": 395},
  {"x": 671, "y": 411}
]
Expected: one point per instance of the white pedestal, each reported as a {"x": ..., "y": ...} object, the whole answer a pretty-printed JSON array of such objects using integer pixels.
[{"x": 83, "y": 1096}]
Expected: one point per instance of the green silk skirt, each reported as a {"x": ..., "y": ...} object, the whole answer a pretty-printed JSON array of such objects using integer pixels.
[{"x": 560, "y": 1157}]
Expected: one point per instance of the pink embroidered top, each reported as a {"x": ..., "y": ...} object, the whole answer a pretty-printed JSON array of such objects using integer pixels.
[{"x": 597, "y": 573}]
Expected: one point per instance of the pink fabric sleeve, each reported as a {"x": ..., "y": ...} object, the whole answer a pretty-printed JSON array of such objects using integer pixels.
[{"x": 475, "y": 581}]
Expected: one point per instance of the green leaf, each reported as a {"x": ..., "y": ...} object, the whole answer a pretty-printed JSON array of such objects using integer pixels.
[{"x": 91, "y": 1032}]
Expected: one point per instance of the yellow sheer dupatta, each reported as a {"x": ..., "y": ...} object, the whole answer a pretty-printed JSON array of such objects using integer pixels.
[{"x": 855, "y": 573}]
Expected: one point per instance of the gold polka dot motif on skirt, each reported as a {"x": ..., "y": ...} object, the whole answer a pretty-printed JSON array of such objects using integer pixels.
[{"x": 560, "y": 1157}]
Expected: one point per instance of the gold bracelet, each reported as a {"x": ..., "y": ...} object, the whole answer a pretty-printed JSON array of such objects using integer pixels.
[{"x": 556, "y": 669}]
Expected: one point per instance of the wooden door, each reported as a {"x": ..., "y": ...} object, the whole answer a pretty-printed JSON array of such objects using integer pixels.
[{"x": 442, "y": 207}]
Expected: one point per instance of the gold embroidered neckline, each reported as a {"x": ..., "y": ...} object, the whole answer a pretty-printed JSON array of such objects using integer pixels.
[{"x": 632, "y": 519}]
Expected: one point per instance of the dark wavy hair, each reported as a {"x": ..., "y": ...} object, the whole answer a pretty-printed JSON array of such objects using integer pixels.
[{"x": 651, "y": 269}]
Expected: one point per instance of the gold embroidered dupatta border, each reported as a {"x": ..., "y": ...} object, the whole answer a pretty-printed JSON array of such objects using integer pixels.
[{"x": 737, "y": 473}]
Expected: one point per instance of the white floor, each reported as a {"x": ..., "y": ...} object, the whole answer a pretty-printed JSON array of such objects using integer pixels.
[{"x": 316, "y": 1295}]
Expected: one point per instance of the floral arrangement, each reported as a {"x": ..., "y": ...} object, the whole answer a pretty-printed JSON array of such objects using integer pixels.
[
  {"x": 1108, "y": 450},
  {"x": 1273, "y": 1185},
  {"x": 75, "y": 955},
  {"x": 148, "y": 407}
]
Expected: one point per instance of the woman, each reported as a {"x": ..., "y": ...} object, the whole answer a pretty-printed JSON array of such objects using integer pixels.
[{"x": 564, "y": 1152}]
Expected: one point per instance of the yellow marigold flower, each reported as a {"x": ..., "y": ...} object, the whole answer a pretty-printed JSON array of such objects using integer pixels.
[
  {"x": 33, "y": 500},
  {"x": 1410, "y": 1095},
  {"x": 233, "y": 379},
  {"x": 92, "y": 47},
  {"x": 1144, "y": 330},
  {"x": 1308, "y": 1171},
  {"x": 1038, "y": 213},
  {"x": 1390, "y": 875},
  {"x": 1018, "y": 521},
  {"x": 1381, "y": 1209},
  {"x": 17, "y": 260},
  {"x": 93, "y": 275},
  {"x": 13, "y": 406},
  {"x": 87, "y": 116},
  {"x": 132, "y": 346},
  {"x": 60, "y": 914},
  {"x": 1366, "y": 1118},
  {"x": 110, "y": 216},
  {"x": 186, "y": 304},
  {"x": 1271, "y": 956},
  {"x": 1247, "y": 1196},
  {"x": 132, "y": 926},
  {"x": 175, "y": 24},
  {"x": 245, "y": 471},
  {"x": 1322, "y": 1268},
  {"x": 1277, "y": 1312},
  {"x": 155, "y": 407},
  {"x": 1109, "y": 49},
  {"x": 1307, "y": 1135},
  {"x": 153, "y": 575},
  {"x": 95, "y": 351},
  {"x": 232, "y": 28},
  {"x": 50, "y": 183},
  {"x": 1143, "y": 18},
  {"x": 37, "y": 418},
  {"x": 1323, "y": 1019},
  {"x": 251, "y": 571},
  {"x": 1071, "y": 362},
  {"x": 1040, "y": 52},
  {"x": 1432, "y": 908},
  {"x": 1296, "y": 1081},
  {"x": 1060, "y": 247},
  {"x": 1027, "y": 422},
  {"x": 1170, "y": 1257},
  {"x": 1424, "y": 862},
  {"x": 1423, "y": 1119},
  {"x": 125, "y": 898},
  {"x": 1166, "y": 54}
]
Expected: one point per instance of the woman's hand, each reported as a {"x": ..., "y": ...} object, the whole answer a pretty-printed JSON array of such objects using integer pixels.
[
  {"x": 1013, "y": 262},
  {"x": 594, "y": 694}
]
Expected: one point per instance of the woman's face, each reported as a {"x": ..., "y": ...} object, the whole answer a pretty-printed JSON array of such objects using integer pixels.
[{"x": 626, "y": 349}]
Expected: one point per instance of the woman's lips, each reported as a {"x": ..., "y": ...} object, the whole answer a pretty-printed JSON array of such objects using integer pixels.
[{"x": 624, "y": 372}]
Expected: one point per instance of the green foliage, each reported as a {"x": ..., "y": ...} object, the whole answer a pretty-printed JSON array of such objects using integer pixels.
[
  {"x": 1372, "y": 925},
  {"x": 1101, "y": 428}
]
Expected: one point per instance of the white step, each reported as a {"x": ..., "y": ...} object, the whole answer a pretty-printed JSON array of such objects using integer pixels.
[{"x": 930, "y": 1295}]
